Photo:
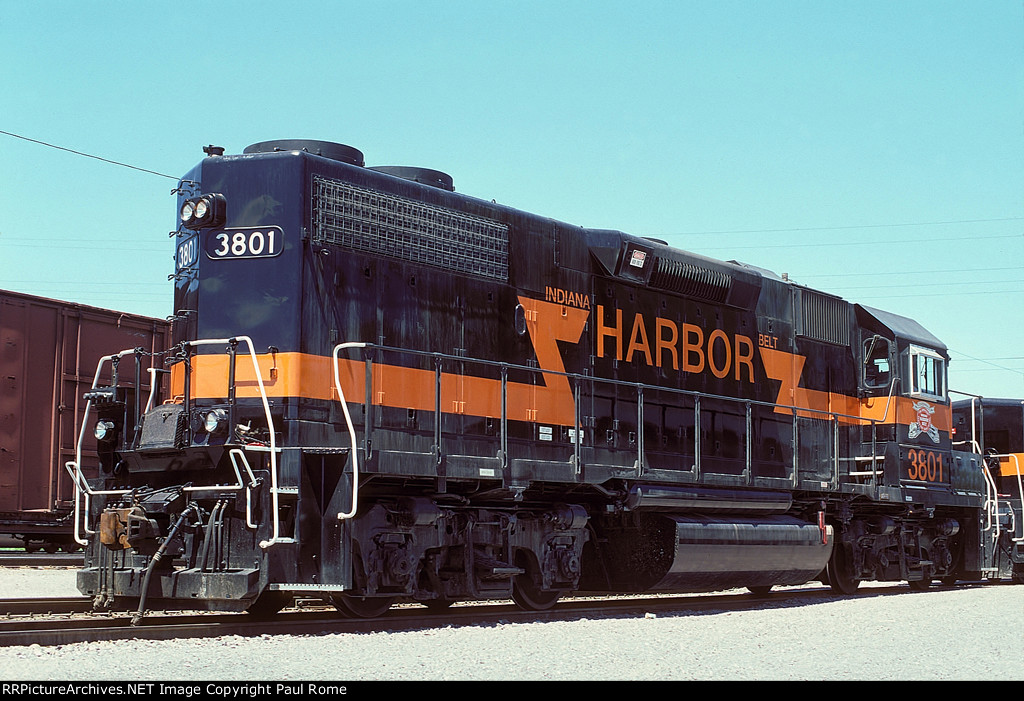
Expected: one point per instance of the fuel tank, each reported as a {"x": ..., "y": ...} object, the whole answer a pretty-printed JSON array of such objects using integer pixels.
[{"x": 683, "y": 552}]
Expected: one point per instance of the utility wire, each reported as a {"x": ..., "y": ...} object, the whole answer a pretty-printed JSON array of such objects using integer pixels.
[
  {"x": 943, "y": 294},
  {"x": 683, "y": 233},
  {"x": 89, "y": 155},
  {"x": 918, "y": 285},
  {"x": 838, "y": 228},
  {"x": 726, "y": 247},
  {"x": 913, "y": 272},
  {"x": 986, "y": 362}
]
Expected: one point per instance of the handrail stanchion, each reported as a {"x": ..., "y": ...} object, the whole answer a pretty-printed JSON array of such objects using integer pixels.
[
  {"x": 749, "y": 448},
  {"x": 351, "y": 428},
  {"x": 437, "y": 409},
  {"x": 503, "y": 441},
  {"x": 577, "y": 443},
  {"x": 696, "y": 438},
  {"x": 795, "y": 443},
  {"x": 639, "y": 429}
]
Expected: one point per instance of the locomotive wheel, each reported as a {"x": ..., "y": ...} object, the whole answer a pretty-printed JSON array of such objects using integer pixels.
[
  {"x": 268, "y": 604},
  {"x": 529, "y": 597},
  {"x": 760, "y": 591},
  {"x": 525, "y": 591},
  {"x": 921, "y": 584},
  {"x": 926, "y": 581},
  {"x": 362, "y": 606},
  {"x": 840, "y": 574}
]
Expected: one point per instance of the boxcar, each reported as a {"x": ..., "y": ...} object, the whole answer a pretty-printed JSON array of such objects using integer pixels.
[{"x": 49, "y": 350}]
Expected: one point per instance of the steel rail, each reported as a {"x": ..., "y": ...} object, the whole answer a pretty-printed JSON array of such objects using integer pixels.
[{"x": 117, "y": 626}]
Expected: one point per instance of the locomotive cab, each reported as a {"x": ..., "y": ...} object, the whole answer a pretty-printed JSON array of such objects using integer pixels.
[{"x": 904, "y": 465}]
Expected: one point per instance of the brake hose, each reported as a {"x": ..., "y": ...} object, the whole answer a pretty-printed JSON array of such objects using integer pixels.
[{"x": 156, "y": 558}]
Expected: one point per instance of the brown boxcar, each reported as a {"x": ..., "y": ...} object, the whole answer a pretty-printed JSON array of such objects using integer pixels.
[{"x": 49, "y": 350}]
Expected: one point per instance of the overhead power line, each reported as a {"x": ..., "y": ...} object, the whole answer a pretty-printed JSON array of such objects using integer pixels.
[
  {"x": 889, "y": 273},
  {"x": 919, "y": 285},
  {"x": 726, "y": 247},
  {"x": 990, "y": 293},
  {"x": 986, "y": 362},
  {"x": 683, "y": 233},
  {"x": 89, "y": 155},
  {"x": 853, "y": 226}
]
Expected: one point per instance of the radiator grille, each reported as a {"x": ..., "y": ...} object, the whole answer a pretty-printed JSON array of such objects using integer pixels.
[
  {"x": 377, "y": 222},
  {"x": 825, "y": 318}
]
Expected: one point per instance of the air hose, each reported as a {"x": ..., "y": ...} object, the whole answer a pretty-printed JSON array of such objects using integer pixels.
[{"x": 156, "y": 559}]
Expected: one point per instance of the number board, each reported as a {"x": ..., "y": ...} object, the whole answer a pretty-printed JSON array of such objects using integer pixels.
[
  {"x": 187, "y": 254},
  {"x": 248, "y": 242},
  {"x": 920, "y": 465}
]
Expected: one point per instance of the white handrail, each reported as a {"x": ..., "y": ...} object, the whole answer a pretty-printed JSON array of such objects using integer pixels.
[
  {"x": 152, "y": 389},
  {"x": 83, "y": 492},
  {"x": 351, "y": 428},
  {"x": 276, "y": 537},
  {"x": 236, "y": 454},
  {"x": 991, "y": 504},
  {"x": 1020, "y": 489}
]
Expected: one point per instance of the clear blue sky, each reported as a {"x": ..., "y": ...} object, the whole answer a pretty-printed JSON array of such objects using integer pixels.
[{"x": 872, "y": 149}]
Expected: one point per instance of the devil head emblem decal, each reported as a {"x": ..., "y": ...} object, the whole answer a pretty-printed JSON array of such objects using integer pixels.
[{"x": 923, "y": 413}]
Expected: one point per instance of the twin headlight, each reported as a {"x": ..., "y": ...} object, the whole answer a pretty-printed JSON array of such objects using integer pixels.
[{"x": 203, "y": 212}]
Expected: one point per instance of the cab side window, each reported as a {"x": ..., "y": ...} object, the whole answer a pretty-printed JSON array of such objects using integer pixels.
[
  {"x": 927, "y": 373},
  {"x": 877, "y": 370}
]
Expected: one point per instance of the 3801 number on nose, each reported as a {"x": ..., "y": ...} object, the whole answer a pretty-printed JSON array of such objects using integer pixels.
[{"x": 262, "y": 242}]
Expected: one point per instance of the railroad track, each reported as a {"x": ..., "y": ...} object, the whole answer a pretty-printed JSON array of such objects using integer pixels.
[
  {"x": 65, "y": 621},
  {"x": 44, "y": 606},
  {"x": 21, "y": 558}
]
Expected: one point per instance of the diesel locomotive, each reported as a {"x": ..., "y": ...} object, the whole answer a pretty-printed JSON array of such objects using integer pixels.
[
  {"x": 382, "y": 390},
  {"x": 995, "y": 428}
]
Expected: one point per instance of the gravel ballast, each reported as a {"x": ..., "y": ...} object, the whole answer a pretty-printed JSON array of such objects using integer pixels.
[{"x": 965, "y": 633}]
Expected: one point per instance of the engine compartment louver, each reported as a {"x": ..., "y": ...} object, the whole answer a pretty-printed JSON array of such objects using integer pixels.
[{"x": 691, "y": 280}]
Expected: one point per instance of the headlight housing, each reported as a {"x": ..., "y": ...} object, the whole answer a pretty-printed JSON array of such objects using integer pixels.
[
  {"x": 216, "y": 421},
  {"x": 104, "y": 431},
  {"x": 203, "y": 212}
]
